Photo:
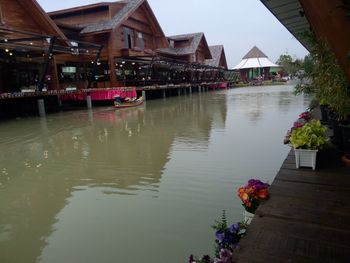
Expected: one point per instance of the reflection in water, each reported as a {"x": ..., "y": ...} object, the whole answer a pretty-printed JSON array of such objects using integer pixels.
[{"x": 96, "y": 185}]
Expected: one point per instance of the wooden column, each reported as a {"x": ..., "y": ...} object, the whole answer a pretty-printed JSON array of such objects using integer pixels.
[
  {"x": 54, "y": 85},
  {"x": 112, "y": 45}
]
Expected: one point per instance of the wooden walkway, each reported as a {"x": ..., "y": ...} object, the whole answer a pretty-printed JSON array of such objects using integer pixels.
[{"x": 306, "y": 219}]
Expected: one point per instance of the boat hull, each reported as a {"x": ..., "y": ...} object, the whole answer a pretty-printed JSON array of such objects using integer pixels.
[{"x": 125, "y": 105}]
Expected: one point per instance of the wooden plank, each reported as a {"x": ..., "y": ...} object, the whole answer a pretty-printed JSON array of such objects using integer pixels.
[
  {"x": 326, "y": 213},
  {"x": 275, "y": 240}
]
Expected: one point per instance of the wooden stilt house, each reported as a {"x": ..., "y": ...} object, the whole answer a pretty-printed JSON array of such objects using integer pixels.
[
  {"x": 218, "y": 57},
  {"x": 127, "y": 30}
]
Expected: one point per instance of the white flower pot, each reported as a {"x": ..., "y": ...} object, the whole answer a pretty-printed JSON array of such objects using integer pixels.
[
  {"x": 247, "y": 217},
  {"x": 305, "y": 158}
]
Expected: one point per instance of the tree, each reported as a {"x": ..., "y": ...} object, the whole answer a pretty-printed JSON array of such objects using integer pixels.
[{"x": 289, "y": 65}]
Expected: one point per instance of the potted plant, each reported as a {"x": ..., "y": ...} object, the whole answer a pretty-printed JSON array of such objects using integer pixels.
[
  {"x": 306, "y": 142},
  {"x": 252, "y": 195}
]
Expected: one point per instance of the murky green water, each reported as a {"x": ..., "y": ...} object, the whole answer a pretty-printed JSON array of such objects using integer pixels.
[{"x": 136, "y": 185}]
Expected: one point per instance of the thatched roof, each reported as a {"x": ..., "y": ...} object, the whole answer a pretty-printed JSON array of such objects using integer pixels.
[
  {"x": 255, "y": 52},
  {"x": 217, "y": 52},
  {"x": 255, "y": 58},
  {"x": 194, "y": 41}
]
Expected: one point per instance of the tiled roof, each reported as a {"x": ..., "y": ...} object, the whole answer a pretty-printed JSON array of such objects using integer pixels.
[
  {"x": 194, "y": 38},
  {"x": 124, "y": 13},
  {"x": 255, "y": 52},
  {"x": 216, "y": 52}
]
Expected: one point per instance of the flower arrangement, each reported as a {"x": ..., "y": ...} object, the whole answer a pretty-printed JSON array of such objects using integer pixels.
[
  {"x": 311, "y": 136},
  {"x": 306, "y": 115},
  {"x": 254, "y": 193},
  {"x": 226, "y": 240},
  {"x": 304, "y": 118}
]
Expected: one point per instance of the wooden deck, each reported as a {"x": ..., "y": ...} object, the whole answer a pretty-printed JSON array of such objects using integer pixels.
[{"x": 306, "y": 219}]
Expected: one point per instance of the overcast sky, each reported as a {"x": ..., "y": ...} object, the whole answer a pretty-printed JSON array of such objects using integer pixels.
[{"x": 237, "y": 24}]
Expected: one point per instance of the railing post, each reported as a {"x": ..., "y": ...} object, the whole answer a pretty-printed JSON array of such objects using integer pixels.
[
  {"x": 88, "y": 101},
  {"x": 41, "y": 108}
]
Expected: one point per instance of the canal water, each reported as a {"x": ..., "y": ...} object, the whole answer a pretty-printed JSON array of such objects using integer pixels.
[{"x": 137, "y": 185}]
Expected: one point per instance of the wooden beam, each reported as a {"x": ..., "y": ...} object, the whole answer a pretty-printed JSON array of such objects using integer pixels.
[{"x": 330, "y": 23}]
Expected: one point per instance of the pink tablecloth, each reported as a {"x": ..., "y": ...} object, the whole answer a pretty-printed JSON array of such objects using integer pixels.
[{"x": 99, "y": 95}]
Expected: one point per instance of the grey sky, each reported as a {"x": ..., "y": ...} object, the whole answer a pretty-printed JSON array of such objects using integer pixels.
[{"x": 237, "y": 24}]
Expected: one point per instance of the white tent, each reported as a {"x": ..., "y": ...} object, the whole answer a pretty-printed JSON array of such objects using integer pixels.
[{"x": 255, "y": 58}]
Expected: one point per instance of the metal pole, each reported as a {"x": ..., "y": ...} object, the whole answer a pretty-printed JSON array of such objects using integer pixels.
[
  {"x": 164, "y": 93},
  {"x": 94, "y": 68},
  {"x": 144, "y": 95},
  {"x": 46, "y": 64}
]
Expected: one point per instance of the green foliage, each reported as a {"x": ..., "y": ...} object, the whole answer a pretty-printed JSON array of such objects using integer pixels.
[
  {"x": 289, "y": 65},
  {"x": 311, "y": 136},
  {"x": 221, "y": 224},
  {"x": 308, "y": 64},
  {"x": 328, "y": 81}
]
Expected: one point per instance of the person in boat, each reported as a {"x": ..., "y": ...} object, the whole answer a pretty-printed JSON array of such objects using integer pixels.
[{"x": 118, "y": 99}]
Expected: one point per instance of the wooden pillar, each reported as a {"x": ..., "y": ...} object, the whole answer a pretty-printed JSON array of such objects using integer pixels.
[
  {"x": 88, "y": 101},
  {"x": 266, "y": 73},
  {"x": 111, "y": 46},
  {"x": 54, "y": 84},
  {"x": 41, "y": 108}
]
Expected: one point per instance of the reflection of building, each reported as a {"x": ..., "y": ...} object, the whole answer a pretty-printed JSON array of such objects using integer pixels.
[
  {"x": 255, "y": 65},
  {"x": 119, "y": 151}
]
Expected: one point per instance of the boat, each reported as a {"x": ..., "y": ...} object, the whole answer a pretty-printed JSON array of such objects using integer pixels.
[{"x": 129, "y": 104}]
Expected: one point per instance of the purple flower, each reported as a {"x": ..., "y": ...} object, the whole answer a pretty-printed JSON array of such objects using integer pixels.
[
  {"x": 220, "y": 235},
  {"x": 234, "y": 228},
  {"x": 225, "y": 255}
]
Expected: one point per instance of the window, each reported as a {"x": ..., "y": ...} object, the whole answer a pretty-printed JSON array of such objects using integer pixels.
[
  {"x": 128, "y": 37},
  {"x": 171, "y": 43},
  {"x": 140, "y": 43}
]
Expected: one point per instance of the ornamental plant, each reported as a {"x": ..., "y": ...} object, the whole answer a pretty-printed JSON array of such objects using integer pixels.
[
  {"x": 226, "y": 240},
  {"x": 227, "y": 237},
  {"x": 253, "y": 194},
  {"x": 304, "y": 118},
  {"x": 312, "y": 136}
]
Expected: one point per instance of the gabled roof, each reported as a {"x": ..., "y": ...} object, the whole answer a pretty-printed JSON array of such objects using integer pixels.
[
  {"x": 79, "y": 8},
  {"x": 217, "y": 52},
  {"x": 194, "y": 41},
  {"x": 41, "y": 17},
  {"x": 121, "y": 16},
  {"x": 255, "y": 58},
  {"x": 255, "y": 52}
]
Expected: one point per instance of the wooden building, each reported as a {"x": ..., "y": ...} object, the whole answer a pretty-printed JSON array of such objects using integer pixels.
[
  {"x": 125, "y": 29},
  {"x": 25, "y": 29},
  {"x": 190, "y": 48},
  {"x": 218, "y": 57}
]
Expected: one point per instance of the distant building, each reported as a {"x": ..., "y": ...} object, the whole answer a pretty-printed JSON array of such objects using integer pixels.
[
  {"x": 190, "y": 48},
  {"x": 218, "y": 57},
  {"x": 255, "y": 64}
]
